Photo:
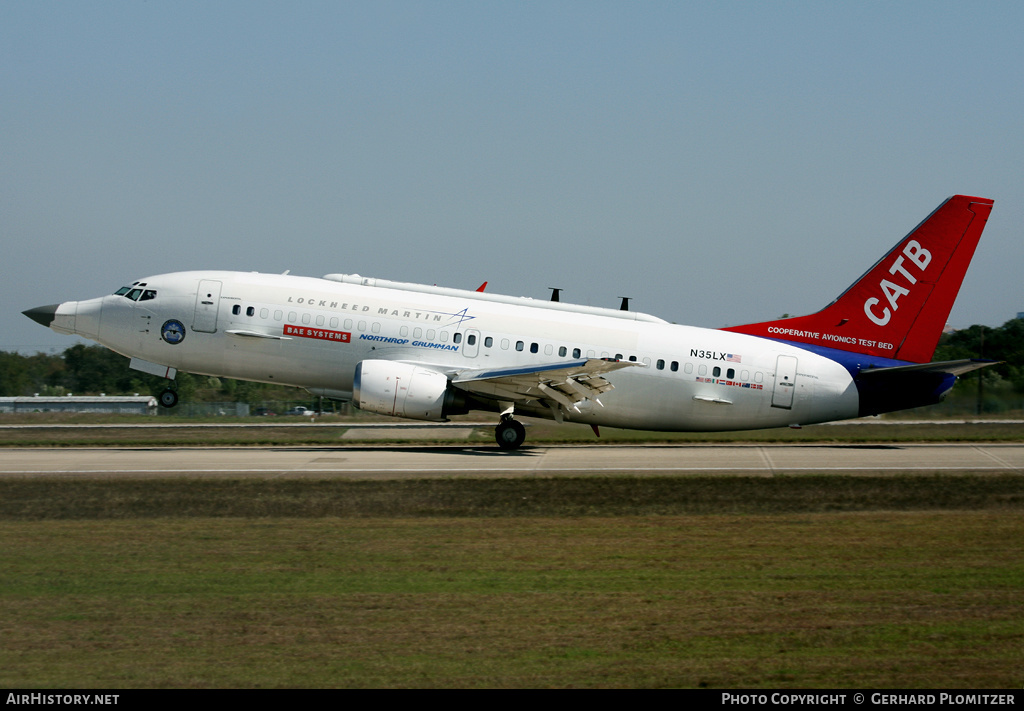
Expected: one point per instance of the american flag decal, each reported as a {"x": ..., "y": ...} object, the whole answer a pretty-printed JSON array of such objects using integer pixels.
[{"x": 730, "y": 358}]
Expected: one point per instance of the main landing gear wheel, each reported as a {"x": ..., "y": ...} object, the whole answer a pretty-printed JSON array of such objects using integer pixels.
[
  {"x": 168, "y": 398},
  {"x": 510, "y": 434}
]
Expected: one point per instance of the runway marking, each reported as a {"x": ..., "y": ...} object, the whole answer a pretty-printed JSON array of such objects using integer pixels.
[
  {"x": 767, "y": 460},
  {"x": 993, "y": 457}
]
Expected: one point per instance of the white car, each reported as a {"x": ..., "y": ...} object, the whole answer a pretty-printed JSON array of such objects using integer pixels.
[{"x": 300, "y": 411}]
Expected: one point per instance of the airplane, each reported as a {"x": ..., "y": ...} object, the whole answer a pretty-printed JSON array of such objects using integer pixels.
[{"x": 428, "y": 352}]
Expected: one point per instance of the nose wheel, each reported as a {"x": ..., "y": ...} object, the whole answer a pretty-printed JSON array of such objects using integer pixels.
[
  {"x": 509, "y": 433},
  {"x": 168, "y": 398}
]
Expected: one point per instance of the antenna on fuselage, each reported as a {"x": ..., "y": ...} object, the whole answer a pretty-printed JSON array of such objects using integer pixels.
[
  {"x": 624, "y": 306},
  {"x": 555, "y": 291}
]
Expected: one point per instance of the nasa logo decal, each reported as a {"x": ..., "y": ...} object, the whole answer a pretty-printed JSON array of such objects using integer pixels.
[{"x": 173, "y": 332}]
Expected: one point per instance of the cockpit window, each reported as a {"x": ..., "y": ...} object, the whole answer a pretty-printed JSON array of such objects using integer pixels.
[{"x": 136, "y": 294}]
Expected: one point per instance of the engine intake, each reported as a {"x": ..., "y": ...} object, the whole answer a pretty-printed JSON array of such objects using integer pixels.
[{"x": 403, "y": 390}]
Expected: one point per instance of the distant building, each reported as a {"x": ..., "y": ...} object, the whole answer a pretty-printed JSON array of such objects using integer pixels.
[{"x": 115, "y": 405}]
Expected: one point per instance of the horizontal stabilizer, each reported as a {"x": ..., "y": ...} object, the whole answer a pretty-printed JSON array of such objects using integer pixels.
[{"x": 949, "y": 367}]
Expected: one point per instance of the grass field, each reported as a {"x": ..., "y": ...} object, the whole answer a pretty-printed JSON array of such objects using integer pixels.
[
  {"x": 805, "y": 581},
  {"x": 814, "y": 582}
]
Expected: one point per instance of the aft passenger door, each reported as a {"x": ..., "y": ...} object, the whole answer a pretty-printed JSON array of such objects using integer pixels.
[{"x": 785, "y": 382}]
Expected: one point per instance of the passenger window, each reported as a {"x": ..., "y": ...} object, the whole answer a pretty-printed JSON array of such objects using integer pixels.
[
  {"x": 488, "y": 342},
  {"x": 520, "y": 345},
  {"x": 576, "y": 352},
  {"x": 675, "y": 366},
  {"x": 471, "y": 340},
  {"x": 320, "y": 320},
  {"x": 348, "y": 323},
  {"x": 403, "y": 331},
  {"x": 504, "y": 344},
  {"x": 236, "y": 309},
  {"x": 292, "y": 317},
  {"x": 534, "y": 348},
  {"x": 430, "y": 334},
  {"x": 376, "y": 327},
  {"x": 562, "y": 350},
  {"x": 548, "y": 349},
  {"x": 716, "y": 371},
  {"x": 745, "y": 375},
  {"x": 661, "y": 364},
  {"x": 417, "y": 332},
  {"x": 305, "y": 319},
  {"x": 632, "y": 359},
  {"x": 618, "y": 356},
  {"x": 362, "y": 325},
  {"x": 730, "y": 374},
  {"x": 702, "y": 369},
  {"x": 264, "y": 313},
  {"x": 688, "y": 368},
  {"x": 457, "y": 338},
  {"x": 333, "y": 323},
  {"x": 278, "y": 315},
  {"x": 251, "y": 311}
]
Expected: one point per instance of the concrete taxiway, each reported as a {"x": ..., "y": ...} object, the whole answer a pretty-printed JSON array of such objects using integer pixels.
[{"x": 463, "y": 461}]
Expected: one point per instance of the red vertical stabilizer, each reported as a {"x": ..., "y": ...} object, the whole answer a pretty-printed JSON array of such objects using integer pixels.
[{"x": 899, "y": 307}]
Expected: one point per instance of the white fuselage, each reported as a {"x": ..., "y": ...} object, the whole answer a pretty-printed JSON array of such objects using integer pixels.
[{"x": 312, "y": 333}]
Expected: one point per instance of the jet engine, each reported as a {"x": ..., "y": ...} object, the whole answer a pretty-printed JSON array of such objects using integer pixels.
[{"x": 404, "y": 390}]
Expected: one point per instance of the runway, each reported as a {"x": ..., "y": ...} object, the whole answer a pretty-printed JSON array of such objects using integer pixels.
[{"x": 472, "y": 461}]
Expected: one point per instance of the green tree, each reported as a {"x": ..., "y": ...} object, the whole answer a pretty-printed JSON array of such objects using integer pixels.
[
  {"x": 1004, "y": 343},
  {"x": 25, "y": 375}
]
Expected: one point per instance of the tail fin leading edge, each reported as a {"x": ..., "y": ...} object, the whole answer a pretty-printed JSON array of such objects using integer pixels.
[{"x": 899, "y": 307}]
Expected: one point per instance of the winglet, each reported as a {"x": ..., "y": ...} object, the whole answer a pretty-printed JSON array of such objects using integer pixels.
[{"x": 899, "y": 307}]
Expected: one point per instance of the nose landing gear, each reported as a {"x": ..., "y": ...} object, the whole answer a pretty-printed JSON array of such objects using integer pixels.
[{"x": 509, "y": 433}]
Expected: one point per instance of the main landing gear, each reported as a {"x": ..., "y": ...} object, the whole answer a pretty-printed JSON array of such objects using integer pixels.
[
  {"x": 509, "y": 433},
  {"x": 168, "y": 398}
]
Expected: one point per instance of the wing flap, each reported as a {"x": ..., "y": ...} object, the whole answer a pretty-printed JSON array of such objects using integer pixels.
[{"x": 560, "y": 386}]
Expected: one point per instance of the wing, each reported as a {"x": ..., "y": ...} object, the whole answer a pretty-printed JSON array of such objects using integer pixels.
[
  {"x": 560, "y": 386},
  {"x": 257, "y": 334}
]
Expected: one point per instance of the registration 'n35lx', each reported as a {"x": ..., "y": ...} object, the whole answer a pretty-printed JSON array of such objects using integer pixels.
[{"x": 427, "y": 352}]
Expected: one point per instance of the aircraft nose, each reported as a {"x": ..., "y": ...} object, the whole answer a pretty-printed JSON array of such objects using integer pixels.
[
  {"x": 43, "y": 315},
  {"x": 87, "y": 317},
  {"x": 71, "y": 317}
]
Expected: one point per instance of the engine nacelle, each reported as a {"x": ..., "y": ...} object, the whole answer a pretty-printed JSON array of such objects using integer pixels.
[{"x": 403, "y": 390}]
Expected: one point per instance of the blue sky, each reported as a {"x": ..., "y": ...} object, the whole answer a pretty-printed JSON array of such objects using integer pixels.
[{"x": 719, "y": 162}]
